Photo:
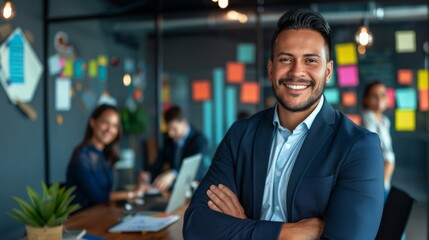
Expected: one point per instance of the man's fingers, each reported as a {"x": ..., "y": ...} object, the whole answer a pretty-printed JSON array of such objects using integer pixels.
[
  {"x": 220, "y": 203},
  {"x": 213, "y": 206},
  {"x": 231, "y": 195}
]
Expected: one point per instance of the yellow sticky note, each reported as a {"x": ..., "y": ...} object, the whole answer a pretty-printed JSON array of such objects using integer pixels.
[
  {"x": 346, "y": 54},
  {"x": 102, "y": 60},
  {"x": 423, "y": 79},
  {"x": 92, "y": 68},
  {"x": 68, "y": 68},
  {"x": 405, "y": 120},
  {"x": 405, "y": 41}
]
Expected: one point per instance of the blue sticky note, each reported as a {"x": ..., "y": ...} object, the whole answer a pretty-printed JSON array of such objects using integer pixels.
[
  {"x": 102, "y": 73},
  {"x": 78, "y": 68},
  {"x": 406, "y": 98},
  {"x": 332, "y": 95},
  {"x": 246, "y": 53},
  {"x": 16, "y": 59}
]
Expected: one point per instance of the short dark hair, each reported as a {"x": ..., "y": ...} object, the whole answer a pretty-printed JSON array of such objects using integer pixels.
[
  {"x": 173, "y": 113},
  {"x": 303, "y": 19}
]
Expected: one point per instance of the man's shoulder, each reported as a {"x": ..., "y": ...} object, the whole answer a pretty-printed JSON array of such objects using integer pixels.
[{"x": 346, "y": 127}]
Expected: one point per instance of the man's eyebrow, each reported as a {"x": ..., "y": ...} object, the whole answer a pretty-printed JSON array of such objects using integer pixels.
[{"x": 291, "y": 55}]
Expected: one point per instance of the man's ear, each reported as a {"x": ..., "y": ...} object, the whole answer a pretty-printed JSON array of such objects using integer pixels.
[{"x": 329, "y": 69}]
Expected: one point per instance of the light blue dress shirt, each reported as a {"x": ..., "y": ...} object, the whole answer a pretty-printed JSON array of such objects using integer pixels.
[{"x": 284, "y": 151}]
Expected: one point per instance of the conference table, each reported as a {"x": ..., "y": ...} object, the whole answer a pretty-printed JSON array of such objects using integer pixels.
[{"x": 98, "y": 219}]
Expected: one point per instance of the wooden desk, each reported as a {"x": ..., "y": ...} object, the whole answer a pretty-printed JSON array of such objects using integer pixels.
[{"x": 98, "y": 219}]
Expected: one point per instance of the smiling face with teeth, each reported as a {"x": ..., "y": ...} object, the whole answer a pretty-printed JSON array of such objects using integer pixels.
[{"x": 299, "y": 69}]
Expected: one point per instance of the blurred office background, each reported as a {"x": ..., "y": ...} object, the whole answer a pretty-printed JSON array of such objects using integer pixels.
[{"x": 147, "y": 55}]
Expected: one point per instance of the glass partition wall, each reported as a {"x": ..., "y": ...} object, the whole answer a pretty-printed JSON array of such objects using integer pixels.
[{"x": 213, "y": 62}]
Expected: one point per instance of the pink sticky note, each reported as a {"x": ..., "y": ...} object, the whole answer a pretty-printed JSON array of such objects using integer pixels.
[
  {"x": 390, "y": 98},
  {"x": 348, "y": 76}
]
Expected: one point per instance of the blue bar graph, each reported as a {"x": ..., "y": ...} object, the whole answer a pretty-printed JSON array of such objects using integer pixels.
[
  {"x": 208, "y": 121},
  {"x": 218, "y": 83},
  {"x": 231, "y": 103},
  {"x": 16, "y": 59}
]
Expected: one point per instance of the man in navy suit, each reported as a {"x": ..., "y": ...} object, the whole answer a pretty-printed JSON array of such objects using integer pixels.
[
  {"x": 300, "y": 170},
  {"x": 182, "y": 140}
]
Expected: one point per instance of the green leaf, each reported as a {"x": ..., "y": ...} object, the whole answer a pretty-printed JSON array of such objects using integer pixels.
[
  {"x": 22, "y": 217},
  {"x": 28, "y": 210}
]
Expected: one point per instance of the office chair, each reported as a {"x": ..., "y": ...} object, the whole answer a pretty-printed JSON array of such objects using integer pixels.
[{"x": 396, "y": 212}]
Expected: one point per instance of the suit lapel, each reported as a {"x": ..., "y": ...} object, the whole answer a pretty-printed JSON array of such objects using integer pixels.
[
  {"x": 319, "y": 132},
  {"x": 261, "y": 157}
]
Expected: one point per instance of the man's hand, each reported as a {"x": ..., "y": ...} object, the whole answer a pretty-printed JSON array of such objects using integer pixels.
[
  {"x": 223, "y": 200},
  {"x": 306, "y": 229},
  {"x": 164, "y": 180}
]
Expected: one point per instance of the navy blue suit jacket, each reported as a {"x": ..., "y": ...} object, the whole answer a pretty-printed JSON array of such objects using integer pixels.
[
  {"x": 337, "y": 176},
  {"x": 194, "y": 143}
]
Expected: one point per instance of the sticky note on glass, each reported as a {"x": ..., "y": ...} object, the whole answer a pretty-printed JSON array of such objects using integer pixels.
[
  {"x": 346, "y": 54},
  {"x": 349, "y": 99},
  {"x": 424, "y": 100},
  {"x": 405, "y": 76},
  {"x": 390, "y": 92},
  {"x": 348, "y": 76},
  {"x": 129, "y": 65},
  {"x": 92, "y": 68},
  {"x": 246, "y": 53},
  {"x": 332, "y": 95},
  {"x": 331, "y": 82},
  {"x": 102, "y": 60},
  {"x": 249, "y": 92},
  {"x": 201, "y": 90},
  {"x": 54, "y": 65},
  {"x": 68, "y": 68},
  {"x": 405, "y": 41},
  {"x": 405, "y": 120},
  {"x": 102, "y": 73},
  {"x": 355, "y": 118},
  {"x": 235, "y": 72},
  {"x": 78, "y": 68},
  {"x": 406, "y": 98},
  {"x": 62, "y": 94},
  {"x": 423, "y": 79}
]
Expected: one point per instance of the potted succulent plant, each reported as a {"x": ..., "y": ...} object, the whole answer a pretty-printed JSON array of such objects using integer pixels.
[{"x": 45, "y": 214}]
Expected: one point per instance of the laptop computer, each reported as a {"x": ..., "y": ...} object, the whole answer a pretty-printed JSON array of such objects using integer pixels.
[{"x": 154, "y": 202}]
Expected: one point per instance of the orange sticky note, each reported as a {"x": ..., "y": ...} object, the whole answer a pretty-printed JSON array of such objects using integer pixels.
[
  {"x": 405, "y": 76},
  {"x": 249, "y": 92},
  {"x": 349, "y": 99},
  {"x": 355, "y": 118},
  {"x": 201, "y": 90},
  {"x": 235, "y": 72},
  {"x": 424, "y": 100}
]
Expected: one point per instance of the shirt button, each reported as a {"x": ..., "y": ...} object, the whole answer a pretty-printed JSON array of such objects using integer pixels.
[
  {"x": 277, "y": 208},
  {"x": 287, "y": 146},
  {"x": 278, "y": 173}
]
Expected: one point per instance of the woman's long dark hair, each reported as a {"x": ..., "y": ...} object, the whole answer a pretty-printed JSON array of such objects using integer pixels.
[{"x": 110, "y": 151}]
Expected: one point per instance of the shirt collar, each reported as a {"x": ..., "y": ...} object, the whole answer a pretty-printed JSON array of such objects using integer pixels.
[
  {"x": 182, "y": 140},
  {"x": 307, "y": 121}
]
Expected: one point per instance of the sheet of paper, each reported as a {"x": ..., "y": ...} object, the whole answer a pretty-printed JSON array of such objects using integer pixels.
[
  {"x": 62, "y": 94},
  {"x": 406, "y": 98},
  {"x": 249, "y": 93},
  {"x": 235, "y": 72},
  {"x": 79, "y": 71},
  {"x": 346, "y": 54},
  {"x": 405, "y": 120},
  {"x": 423, "y": 79},
  {"x": 246, "y": 53},
  {"x": 405, "y": 41},
  {"x": 92, "y": 68},
  {"x": 348, "y": 76},
  {"x": 54, "y": 65},
  {"x": 424, "y": 100},
  {"x": 68, "y": 68},
  {"x": 332, "y": 95},
  {"x": 349, "y": 99},
  {"x": 142, "y": 223},
  {"x": 405, "y": 76},
  {"x": 390, "y": 92},
  {"x": 201, "y": 90}
]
